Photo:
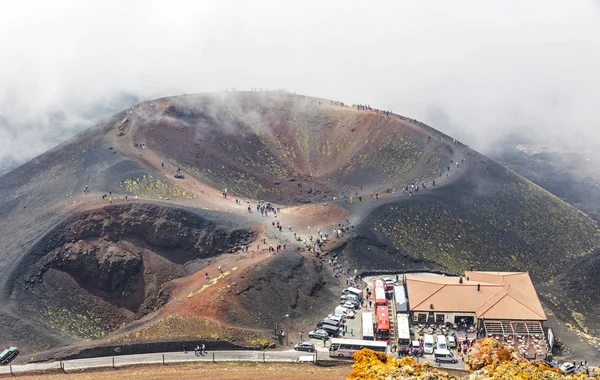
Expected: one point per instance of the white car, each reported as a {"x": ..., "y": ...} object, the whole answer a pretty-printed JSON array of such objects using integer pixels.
[
  {"x": 337, "y": 317},
  {"x": 347, "y": 312},
  {"x": 349, "y": 305},
  {"x": 567, "y": 368}
]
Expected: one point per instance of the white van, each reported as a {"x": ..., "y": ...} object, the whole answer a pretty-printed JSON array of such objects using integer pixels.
[
  {"x": 343, "y": 311},
  {"x": 444, "y": 356},
  {"x": 451, "y": 341},
  {"x": 428, "y": 344},
  {"x": 355, "y": 291},
  {"x": 441, "y": 343}
]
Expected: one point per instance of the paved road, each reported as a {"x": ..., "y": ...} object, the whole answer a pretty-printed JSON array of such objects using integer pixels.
[{"x": 168, "y": 357}]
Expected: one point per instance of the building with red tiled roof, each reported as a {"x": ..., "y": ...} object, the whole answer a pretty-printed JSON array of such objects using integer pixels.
[{"x": 474, "y": 297}]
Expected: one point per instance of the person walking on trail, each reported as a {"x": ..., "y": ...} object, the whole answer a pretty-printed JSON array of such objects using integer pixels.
[
  {"x": 220, "y": 269},
  {"x": 110, "y": 200},
  {"x": 184, "y": 349},
  {"x": 203, "y": 349},
  {"x": 206, "y": 275}
]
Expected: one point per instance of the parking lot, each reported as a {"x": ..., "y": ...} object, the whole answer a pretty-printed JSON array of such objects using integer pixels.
[{"x": 352, "y": 329}]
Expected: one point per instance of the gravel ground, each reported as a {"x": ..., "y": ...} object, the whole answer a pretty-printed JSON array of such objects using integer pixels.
[{"x": 211, "y": 371}]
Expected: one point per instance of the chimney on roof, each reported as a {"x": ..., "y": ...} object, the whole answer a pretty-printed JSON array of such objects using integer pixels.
[
  {"x": 460, "y": 281},
  {"x": 478, "y": 287},
  {"x": 471, "y": 268},
  {"x": 467, "y": 278},
  {"x": 431, "y": 306}
]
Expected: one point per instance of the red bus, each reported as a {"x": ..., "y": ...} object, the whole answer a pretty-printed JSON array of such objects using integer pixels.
[
  {"x": 382, "y": 332},
  {"x": 379, "y": 292}
]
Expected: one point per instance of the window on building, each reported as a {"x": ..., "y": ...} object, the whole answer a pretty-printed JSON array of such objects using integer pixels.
[
  {"x": 440, "y": 318},
  {"x": 422, "y": 318}
]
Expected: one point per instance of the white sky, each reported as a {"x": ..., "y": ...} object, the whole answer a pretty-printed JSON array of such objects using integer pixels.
[{"x": 475, "y": 69}]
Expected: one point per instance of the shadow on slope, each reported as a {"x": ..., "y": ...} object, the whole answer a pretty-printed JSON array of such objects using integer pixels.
[{"x": 288, "y": 284}]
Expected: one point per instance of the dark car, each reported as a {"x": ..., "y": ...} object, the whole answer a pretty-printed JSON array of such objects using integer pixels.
[
  {"x": 8, "y": 355},
  {"x": 331, "y": 330},
  {"x": 304, "y": 346},
  {"x": 319, "y": 334},
  {"x": 328, "y": 321}
]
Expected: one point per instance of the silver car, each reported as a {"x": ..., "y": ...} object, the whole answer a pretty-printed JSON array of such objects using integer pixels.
[{"x": 319, "y": 334}]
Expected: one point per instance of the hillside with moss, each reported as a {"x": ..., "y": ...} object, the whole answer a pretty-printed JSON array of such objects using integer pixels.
[{"x": 490, "y": 219}]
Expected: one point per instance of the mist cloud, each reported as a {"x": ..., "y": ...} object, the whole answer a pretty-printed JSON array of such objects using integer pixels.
[{"x": 470, "y": 68}]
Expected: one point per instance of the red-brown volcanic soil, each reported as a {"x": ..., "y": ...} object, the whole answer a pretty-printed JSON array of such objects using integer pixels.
[{"x": 78, "y": 269}]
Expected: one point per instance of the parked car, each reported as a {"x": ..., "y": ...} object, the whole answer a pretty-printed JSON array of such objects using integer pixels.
[
  {"x": 451, "y": 341},
  {"x": 304, "y": 346},
  {"x": 350, "y": 304},
  {"x": 332, "y": 322},
  {"x": 349, "y": 297},
  {"x": 567, "y": 368},
  {"x": 444, "y": 356},
  {"x": 337, "y": 317},
  {"x": 343, "y": 310},
  {"x": 357, "y": 292},
  {"x": 389, "y": 283},
  {"x": 429, "y": 344},
  {"x": 329, "y": 322},
  {"x": 333, "y": 331},
  {"x": 8, "y": 355},
  {"x": 319, "y": 334}
]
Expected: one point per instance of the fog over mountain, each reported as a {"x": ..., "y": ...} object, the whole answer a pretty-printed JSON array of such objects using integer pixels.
[{"x": 476, "y": 70}]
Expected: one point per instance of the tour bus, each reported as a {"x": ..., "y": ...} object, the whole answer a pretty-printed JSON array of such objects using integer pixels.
[
  {"x": 403, "y": 330},
  {"x": 345, "y": 348},
  {"x": 379, "y": 292},
  {"x": 382, "y": 332},
  {"x": 367, "y": 326},
  {"x": 400, "y": 299}
]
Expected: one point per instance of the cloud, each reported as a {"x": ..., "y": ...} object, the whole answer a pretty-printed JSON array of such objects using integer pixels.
[{"x": 471, "y": 68}]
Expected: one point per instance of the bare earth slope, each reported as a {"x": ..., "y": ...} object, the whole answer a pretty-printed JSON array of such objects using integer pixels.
[{"x": 82, "y": 269}]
